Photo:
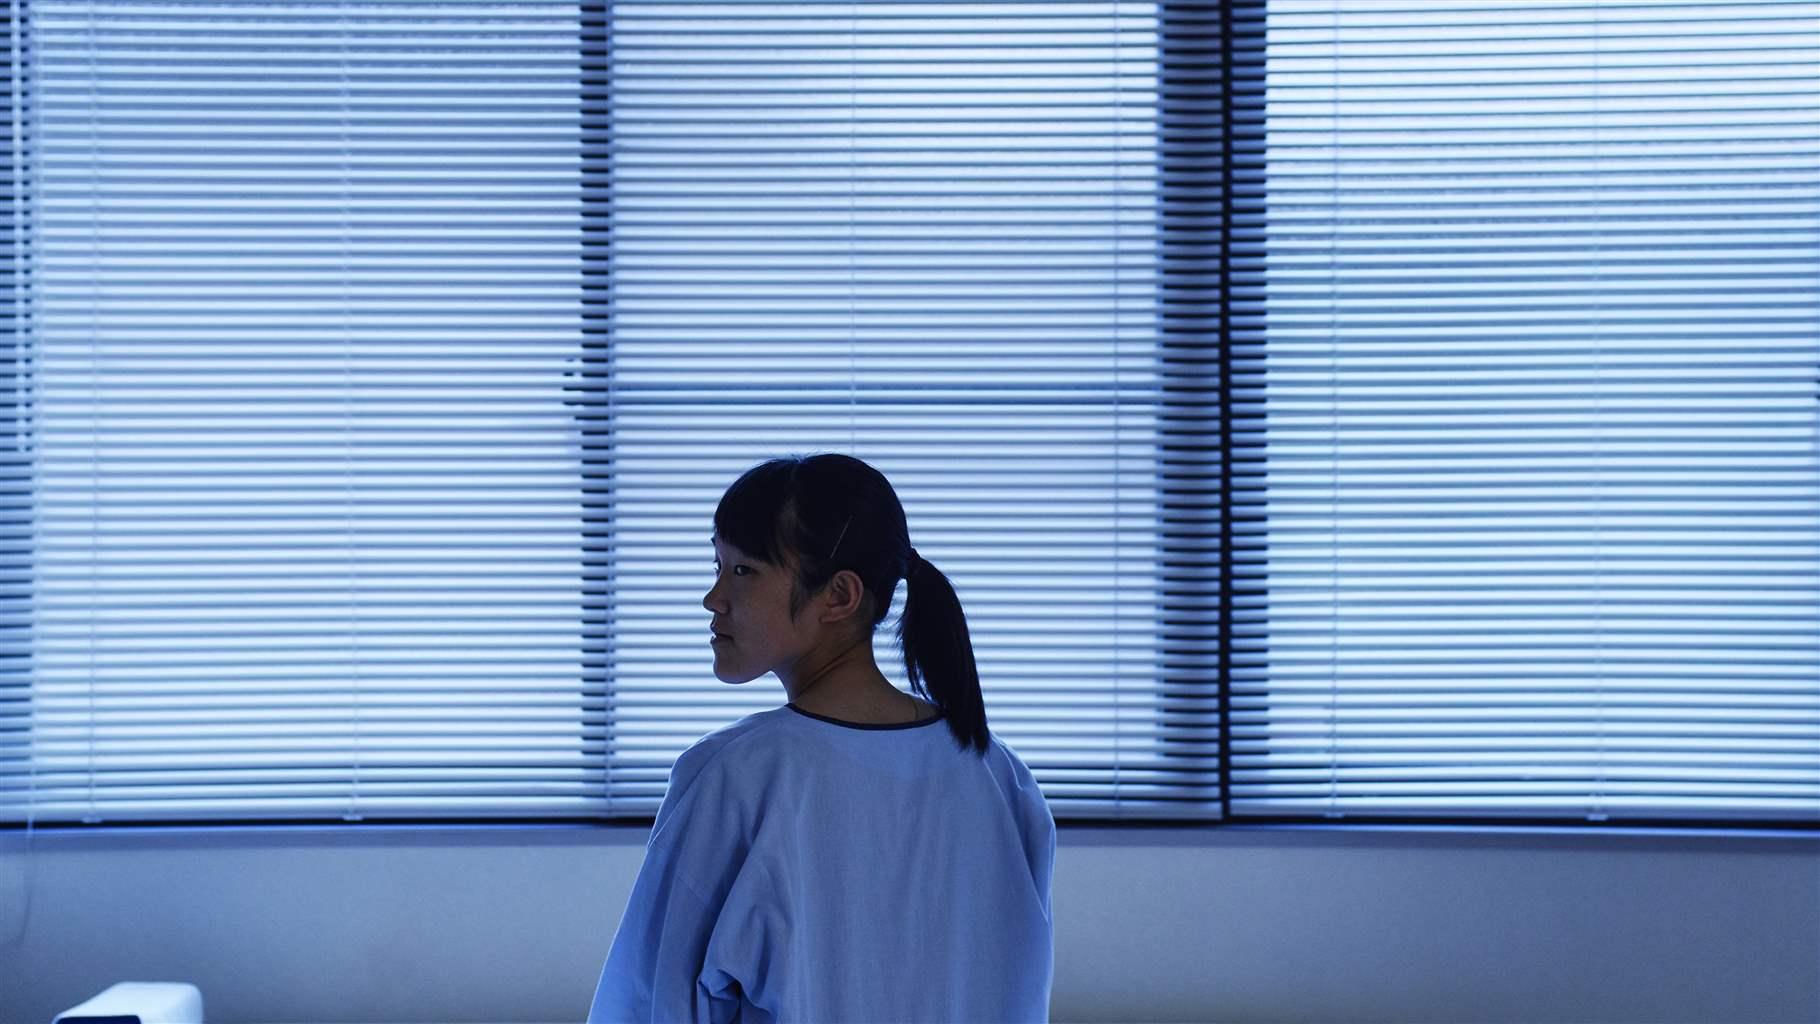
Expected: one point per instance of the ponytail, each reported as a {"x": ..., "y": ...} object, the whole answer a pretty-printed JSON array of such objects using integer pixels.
[{"x": 932, "y": 631}]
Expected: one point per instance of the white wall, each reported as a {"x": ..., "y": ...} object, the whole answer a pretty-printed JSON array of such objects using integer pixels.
[{"x": 1153, "y": 924}]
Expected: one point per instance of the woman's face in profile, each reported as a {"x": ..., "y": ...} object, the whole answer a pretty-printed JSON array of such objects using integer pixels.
[{"x": 750, "y": 602}]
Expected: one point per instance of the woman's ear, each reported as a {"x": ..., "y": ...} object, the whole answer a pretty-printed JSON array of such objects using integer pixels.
[{"x": 845, "y": 596}]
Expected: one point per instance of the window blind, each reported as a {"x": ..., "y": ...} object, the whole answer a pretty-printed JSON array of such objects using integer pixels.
[
  {"x": 925, "y": 235},
  {"x": 388, "y": 361},
  {"x": 15, "y": 465},
  {"x": 1533, "y": 325},
  {"x": 304, "y": 487}
]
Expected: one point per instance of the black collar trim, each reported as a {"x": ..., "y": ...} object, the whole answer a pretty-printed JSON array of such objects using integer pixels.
[{"x": 860, "y": 725}]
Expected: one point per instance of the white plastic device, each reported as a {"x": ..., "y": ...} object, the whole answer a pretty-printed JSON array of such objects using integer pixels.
[{"x": 139, "y": 1002}]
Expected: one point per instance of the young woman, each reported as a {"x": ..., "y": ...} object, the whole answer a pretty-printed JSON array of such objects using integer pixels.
[{"x": 838, "y": 858}]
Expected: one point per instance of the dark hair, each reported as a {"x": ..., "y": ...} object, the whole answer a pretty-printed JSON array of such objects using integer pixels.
[{"x": 834, "y": 512}]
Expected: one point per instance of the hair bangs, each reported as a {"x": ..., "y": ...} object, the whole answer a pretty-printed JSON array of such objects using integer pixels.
[{"x": 756, "y": 513}]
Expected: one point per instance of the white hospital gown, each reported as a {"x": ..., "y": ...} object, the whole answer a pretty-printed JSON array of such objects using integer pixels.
[{"x": 804, "y": 870}]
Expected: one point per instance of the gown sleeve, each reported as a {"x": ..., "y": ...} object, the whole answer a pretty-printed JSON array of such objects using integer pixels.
[{"x": 656, "y": 969}]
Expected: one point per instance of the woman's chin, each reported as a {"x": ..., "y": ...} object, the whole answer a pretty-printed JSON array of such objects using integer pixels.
[{"x": 727, "y": 674}]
